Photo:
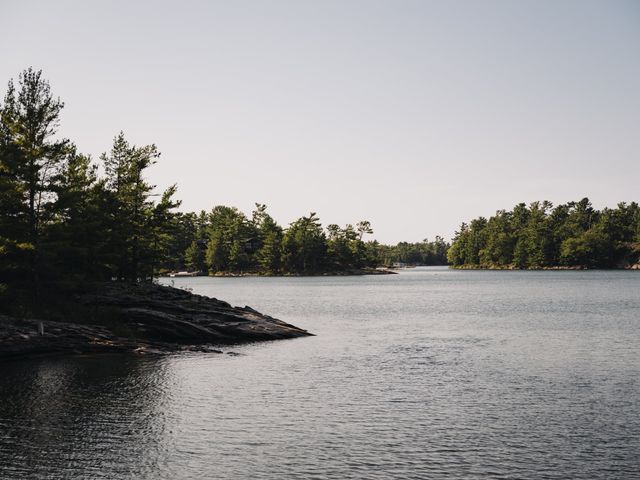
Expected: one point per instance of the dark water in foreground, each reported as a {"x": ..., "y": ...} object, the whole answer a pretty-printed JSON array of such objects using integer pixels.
[{"x": 427, "y": 374}]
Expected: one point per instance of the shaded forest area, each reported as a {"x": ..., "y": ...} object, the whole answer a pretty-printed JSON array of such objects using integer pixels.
[
  {"x": 542, "y": 236},
  {"x": 68, "y": 220}
]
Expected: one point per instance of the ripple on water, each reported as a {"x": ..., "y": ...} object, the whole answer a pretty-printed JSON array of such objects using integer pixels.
[{"x": 426, "y": 374}]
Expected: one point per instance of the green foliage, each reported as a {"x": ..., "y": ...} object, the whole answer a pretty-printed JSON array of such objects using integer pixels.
[
  {"x": 60, "y": 222},
  {"x": 75, "y": 241},
  {"x": 225, "y": 241},
  {"x": 232, "y": 240},
  {"x": 140, "y": 229},
  {"x": 270, "y": 254},
  {"x": 404, "y": 253},
  {"x": 540, "y": 236},
  {"x": 30, "y": 159},
  {"x": 305, "y": 246},
  {"x": 342, "y": 247},
  {"x": 237, "y": 244},
  {"x": 269, "y": 249},
  {"x": 195, "y": 256}
]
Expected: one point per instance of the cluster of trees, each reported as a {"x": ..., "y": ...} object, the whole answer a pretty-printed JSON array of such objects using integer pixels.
[
  {"x": 226, "y": 240},
  {"x": 60, "y": 220},
  {"x": 419, "y": 253},
  {"x": 538, "y": 236}
]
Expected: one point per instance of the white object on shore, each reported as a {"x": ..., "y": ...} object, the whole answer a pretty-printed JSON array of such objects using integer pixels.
[
  {"x": 41, "y": 328},
  {"x": 184, "y": 274}
]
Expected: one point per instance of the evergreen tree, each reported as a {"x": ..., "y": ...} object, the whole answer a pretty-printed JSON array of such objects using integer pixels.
[
  {"x": 269, "y": 245},
  {"x": 139, "y": 228},
  {"x": 75, "y": 242},
  {"x": 30, "y": 159},
  {"x": 195, "y": 256},
  {"x": 270, "y": 254},
  {"x": 305, "y": 246},
  {"x": 231, "y": 240}
]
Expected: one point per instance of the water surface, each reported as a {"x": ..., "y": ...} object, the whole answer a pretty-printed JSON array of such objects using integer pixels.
[{"x": 428, "y": 374}]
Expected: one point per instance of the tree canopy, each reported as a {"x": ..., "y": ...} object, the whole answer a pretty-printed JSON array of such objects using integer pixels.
[{"x": 541, "y": 236}]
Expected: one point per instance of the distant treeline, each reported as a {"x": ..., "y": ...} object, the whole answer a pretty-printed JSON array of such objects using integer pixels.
[
  {"x": 420, "y": 253},
  {"x": 67, "y": 220},
  {"x": 225, "y": 240},
  {"x": 540, "y": 236}
]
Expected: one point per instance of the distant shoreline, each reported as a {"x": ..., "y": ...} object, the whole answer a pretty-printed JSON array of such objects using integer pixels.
[
  {"x": 549, "y": 268},
  {"x": 346, "y": 273},
  {"x": 393, "y": 271}
]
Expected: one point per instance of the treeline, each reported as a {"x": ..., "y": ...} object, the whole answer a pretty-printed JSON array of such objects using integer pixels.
[
  {"x": 225, "y": 240},
  {"x": 419, "y": 253},
  {"x": 540, "y": 235}
]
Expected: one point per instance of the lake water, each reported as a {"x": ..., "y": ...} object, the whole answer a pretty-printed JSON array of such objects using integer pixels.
[{"x": 427, "y": 374}]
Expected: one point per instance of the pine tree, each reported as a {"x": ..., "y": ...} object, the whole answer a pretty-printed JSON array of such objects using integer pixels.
[
  {"x": 139, "y": 228},
  {"x": 30, "y": 159}
]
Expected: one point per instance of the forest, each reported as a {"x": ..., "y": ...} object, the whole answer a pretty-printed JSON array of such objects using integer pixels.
[
  {"x": 67, "y": 219},
  {"x": 543, "y": 236},
  {"x": 225, "y": 240}
]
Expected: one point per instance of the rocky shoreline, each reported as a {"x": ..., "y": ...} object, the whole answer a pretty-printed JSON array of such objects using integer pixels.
[{"x": 141, "y": 319}]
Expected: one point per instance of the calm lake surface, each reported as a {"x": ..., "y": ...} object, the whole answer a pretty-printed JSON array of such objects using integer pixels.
[{"x": 427, "y": 374}]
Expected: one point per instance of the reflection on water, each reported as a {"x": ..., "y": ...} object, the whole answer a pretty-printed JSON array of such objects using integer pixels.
[
  {"x": 428, "y": 374},
  {"x": 87, "y": 413}
]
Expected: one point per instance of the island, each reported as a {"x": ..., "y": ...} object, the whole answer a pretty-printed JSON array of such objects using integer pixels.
[{"x": 541, "y": 236}]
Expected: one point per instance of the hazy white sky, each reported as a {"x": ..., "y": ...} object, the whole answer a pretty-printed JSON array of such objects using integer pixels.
[{"x": 415, "y": 115}]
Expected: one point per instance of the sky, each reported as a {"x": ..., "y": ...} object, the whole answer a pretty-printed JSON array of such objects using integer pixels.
[{"x": 414, "y": 115}]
